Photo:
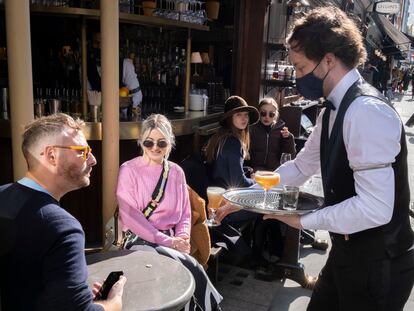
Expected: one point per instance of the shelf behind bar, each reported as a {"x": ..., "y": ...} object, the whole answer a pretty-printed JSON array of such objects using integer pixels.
[
  {"x": 157, "y": 21},
  {"x": 73, "y": 12},
  {"x": 280, "y": 83},
  {"x": 123, "y": 17}
]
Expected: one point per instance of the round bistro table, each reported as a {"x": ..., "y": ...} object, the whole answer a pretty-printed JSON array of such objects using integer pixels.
[{"x": 154, "y": 282}]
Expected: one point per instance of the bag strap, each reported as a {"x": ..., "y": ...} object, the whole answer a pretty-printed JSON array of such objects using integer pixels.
[
  {"x": 159, "y": 191},
  {"x": 113, "y": 234},
  {"x": 157, "y": 196}
]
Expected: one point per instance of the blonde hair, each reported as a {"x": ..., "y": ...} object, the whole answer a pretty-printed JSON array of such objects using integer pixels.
[
  {"x": 43, "y": 128},
  {"x": 270, "y": 101},
  {"x": 161, "y": 123}
]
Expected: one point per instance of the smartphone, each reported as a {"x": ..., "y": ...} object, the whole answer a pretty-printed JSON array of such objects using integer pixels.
[{"x": 112, "y": 278}]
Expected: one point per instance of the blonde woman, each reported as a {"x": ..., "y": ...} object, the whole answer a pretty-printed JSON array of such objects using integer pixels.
[
  {"x": 166, "y": 227},
  {"x": 270, "y": 138}
]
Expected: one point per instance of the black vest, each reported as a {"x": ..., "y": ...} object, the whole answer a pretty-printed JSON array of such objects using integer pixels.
[
  {"x": 94, "y": 77},
  {"x": 391, "y": 239}
]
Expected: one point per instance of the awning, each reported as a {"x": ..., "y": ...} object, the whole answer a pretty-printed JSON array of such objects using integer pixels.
[
  {"x": 374, "y": 36},
  {"x": 390, "y": 49},
  {"x": 398, "y": 38},
  {"x": 410, "y": 37}
]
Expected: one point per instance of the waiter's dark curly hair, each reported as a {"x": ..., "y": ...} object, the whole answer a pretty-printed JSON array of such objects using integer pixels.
[{"x": 328, "y": 29}]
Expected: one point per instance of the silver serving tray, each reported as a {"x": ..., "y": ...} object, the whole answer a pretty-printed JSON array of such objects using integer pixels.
[{"x": 249, "y": 199}]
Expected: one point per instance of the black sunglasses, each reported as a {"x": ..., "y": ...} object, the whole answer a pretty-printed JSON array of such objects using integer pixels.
[
  {"x": 150, "y": 143},
  {"x": 265, "y": 113}
]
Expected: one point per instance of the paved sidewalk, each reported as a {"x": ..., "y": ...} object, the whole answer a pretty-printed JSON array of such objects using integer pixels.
[{"x": 242, "y": 292}]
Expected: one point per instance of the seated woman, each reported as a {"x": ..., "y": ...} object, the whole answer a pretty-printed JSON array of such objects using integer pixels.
[
  {"x": 269, "y": 138},
  {"x": 229, "y": 147},
  {"x": 225, "y": 154},
  {"x": 164, "y": 226}
]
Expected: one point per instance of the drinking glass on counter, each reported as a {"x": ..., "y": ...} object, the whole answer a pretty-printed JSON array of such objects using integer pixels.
[
  {"x": 267, "y": 180},
  {"x": 215, "y": 196}
]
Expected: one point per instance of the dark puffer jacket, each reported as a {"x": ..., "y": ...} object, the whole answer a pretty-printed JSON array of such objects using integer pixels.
[{"x": 267, "y": 145}]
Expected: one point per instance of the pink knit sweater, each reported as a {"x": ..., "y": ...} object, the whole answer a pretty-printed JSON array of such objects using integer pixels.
[{"x": 136, "y": 182}]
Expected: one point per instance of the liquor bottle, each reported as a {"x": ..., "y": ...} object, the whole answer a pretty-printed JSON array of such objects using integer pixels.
[
  {"x": 275, "y": 74},
  {"x": 177, "y": 71},
  {"x": 163, "y": 69}
]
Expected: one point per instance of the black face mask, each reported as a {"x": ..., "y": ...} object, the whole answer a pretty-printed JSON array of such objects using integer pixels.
[{"x": 310, "y": 86}]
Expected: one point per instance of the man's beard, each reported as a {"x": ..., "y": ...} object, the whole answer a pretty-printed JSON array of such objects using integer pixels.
[{"x": 74, "y": 175}]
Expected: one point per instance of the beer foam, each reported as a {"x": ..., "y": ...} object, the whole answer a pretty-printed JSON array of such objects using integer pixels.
[
  {"x": 266, "y": 175},
  {"x": 215, "y": 190}
]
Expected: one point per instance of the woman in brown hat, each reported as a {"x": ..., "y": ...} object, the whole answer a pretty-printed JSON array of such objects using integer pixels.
[
  {"x": 229, "y": 147},
  {"x": 225, "y": 154}
]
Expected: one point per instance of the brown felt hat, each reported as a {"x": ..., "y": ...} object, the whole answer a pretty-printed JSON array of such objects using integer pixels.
[{"x": 235, "y": 104}]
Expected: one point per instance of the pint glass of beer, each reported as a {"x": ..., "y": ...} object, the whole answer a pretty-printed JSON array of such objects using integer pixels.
[{"x": 215, "y": 196}]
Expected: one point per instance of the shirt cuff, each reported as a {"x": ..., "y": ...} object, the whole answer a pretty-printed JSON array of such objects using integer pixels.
[
  {"x": 164, "y": 240},
  {"x": 291, "y": 175},
  {"x": 310, "y": 221}
]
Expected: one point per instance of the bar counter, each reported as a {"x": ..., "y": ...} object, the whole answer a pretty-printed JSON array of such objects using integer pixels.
[{"x": 185, "y": 123}]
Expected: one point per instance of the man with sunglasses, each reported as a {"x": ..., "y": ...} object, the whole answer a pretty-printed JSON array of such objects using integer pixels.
[
  {"x": 44, "y": 265},
  {"x": 359, "y": 145}
]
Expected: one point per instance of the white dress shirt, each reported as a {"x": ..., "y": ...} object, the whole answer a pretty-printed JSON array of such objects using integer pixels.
[
  {"x": 371, "y": 132},
  {"x": 130, "y": 79}
]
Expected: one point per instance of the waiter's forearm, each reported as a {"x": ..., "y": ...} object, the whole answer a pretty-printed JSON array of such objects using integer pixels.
[
  {"x": 372, "y": 206},
  {"x": 291, "y": 175}
]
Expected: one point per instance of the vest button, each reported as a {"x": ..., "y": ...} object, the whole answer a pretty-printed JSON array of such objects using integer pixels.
[{"x": 332, "y": 191}]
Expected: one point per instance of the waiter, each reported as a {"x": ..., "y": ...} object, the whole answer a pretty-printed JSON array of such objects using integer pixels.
[
  {"x": 360, "y": 146},
  {"x": 130, "y": 80},
  {"x": 128, "y": 77}
]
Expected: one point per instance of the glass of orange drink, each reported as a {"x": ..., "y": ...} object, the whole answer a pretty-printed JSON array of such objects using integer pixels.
[
  {"x": 215, "y": 196},
  {"x": 267, "y": 180}
]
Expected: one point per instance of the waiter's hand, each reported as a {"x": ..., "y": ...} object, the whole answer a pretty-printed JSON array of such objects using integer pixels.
[{"x": 291, "y": 220}]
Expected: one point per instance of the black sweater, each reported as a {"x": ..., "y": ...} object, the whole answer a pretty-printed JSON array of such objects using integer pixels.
[
  {"x": 227, "y": 169},
  {"x": 266, "y": 146},
  {"x": 44, "y": 267}
]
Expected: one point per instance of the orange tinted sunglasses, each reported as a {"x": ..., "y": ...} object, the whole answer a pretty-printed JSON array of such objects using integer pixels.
[{"x": 85, "y": 149}]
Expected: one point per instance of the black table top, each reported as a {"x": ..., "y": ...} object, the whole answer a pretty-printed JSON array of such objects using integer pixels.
[{"x": 154, "y": 282}]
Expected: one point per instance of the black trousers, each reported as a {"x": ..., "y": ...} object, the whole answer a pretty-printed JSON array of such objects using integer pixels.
[{"x": 380, "y": 285}]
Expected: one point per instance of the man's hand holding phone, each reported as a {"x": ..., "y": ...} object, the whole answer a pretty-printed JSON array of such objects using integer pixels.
[{"x": 109, "y": 294}]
